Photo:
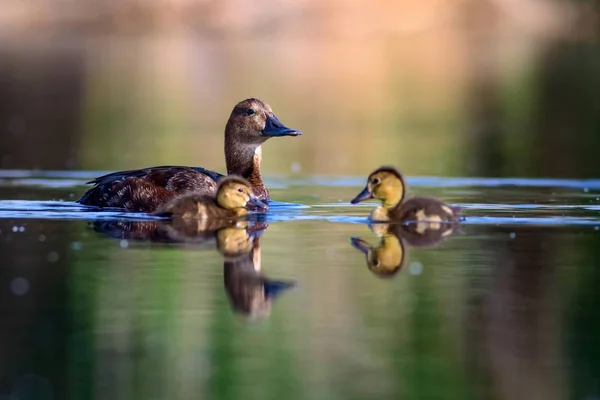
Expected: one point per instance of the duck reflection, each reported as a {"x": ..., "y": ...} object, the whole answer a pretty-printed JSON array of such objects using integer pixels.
[
  {"x": 249, "y": 292},
  {"x": 387, "y": 258}
]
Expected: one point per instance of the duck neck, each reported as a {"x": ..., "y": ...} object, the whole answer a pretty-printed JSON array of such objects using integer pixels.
[{"x": 244, "y": 160}]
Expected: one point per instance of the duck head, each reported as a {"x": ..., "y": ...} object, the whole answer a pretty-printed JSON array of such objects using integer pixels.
[
  {"x": 253, "y": 122},
  {"x": 385, "y": 184},
  {"x": 234, "y": 193},
  {"x": 384, "y": 260}
]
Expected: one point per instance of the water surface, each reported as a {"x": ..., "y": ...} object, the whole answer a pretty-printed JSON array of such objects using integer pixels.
[{"x": 505, "y": 308}]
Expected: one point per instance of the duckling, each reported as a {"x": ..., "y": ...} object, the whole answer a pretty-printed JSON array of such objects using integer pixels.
[
  {"x": 251, "y": 123},
  {"x": 234, "y": 195},
  {"x": 387, "y": 185}
]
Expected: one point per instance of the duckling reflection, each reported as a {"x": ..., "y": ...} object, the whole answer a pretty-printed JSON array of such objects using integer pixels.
[
  {"x": 250, "y": 293},
  {"x": 387, "y": 258},
  {"x": 189, "y": 232}
]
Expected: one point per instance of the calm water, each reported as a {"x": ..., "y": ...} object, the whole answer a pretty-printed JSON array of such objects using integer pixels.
[{"x": 505, "y": 308}]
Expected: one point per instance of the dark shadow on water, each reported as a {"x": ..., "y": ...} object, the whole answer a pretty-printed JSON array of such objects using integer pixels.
[{"x": 520, "y": 320}]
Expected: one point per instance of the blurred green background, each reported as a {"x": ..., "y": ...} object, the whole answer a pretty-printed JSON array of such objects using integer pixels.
[{"x": 447, "y": 88}]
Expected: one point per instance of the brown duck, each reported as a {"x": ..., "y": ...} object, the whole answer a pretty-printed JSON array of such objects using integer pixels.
[{"x": 251, "y": 123}]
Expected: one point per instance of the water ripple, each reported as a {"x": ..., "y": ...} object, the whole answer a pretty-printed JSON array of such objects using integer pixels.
[
  {"x": 287, "y": 212},
  {"x": 53, "y": 179}
]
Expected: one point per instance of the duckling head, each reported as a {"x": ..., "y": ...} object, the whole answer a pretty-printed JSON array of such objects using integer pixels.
[
  {"x": 385, "y": 184},
  {"x": 234, "y": 193},
  {"x": 253, "y": 122},
  {"x": 384, "y": 260}
]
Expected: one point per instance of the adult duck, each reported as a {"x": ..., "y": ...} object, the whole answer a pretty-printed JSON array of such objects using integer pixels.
[{"x": 251, "y": 123}]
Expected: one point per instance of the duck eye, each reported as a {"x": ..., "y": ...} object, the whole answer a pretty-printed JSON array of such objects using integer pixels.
[
  {"x": 250, "y": 111},
  {"x": 240, "y": 190},
  {"x": 375, "y": 181}
]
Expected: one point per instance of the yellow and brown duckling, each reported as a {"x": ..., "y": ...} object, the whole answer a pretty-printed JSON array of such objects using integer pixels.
[
  {"x": 234, "y": 196},
  {"x": 251, "y": 123},
  {"x": 387, "y": 185}
]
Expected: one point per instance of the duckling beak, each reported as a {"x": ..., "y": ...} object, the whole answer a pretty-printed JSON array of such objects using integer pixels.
[
  {"x": 274, "y": 128},
  {"x": 256, "y": 204},
  {"x": 362, "y": 196},
  {"x": 360, "y": 244}
]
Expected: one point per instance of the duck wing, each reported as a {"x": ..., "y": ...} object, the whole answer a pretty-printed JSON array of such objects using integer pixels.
[
  {"x": 145, "y": 189},
  {"x": 153, "y": 173}
]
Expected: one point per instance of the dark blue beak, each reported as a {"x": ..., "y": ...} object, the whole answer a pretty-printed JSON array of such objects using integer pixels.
[
  {"x": 360, "y": 244},
  {"x": 274, "y": 128},
  {"x": 256, "y": 204},
  {"x": 362, "y": 196}
]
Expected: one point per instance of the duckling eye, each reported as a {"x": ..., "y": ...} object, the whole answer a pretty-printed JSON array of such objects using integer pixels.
[
  {"x": 241, "y": 190},
  {"x": 375, "y": 181},
  {"x": 250, "y": 111}
]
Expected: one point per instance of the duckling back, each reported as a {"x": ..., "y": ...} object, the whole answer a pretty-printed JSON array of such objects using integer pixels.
[
  {"x": 431, "y": 218},
  {"x": 426, "y": 209}
]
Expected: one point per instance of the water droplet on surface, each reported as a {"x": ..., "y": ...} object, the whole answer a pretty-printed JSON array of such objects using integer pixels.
[
  {"x": 22, "y": 229},
  {"x": 586, "y": 190},
  {"x": 296, "y": 167},
  {"x": 415, "y": 268},
  {"x": 42, "y": 238},
  {"x": 596, "y": 228},
  {"x": 76, "y": 245},
  {"x": 15, "y": 228},
  {"x": 19, "y": 286},
  {"x": 512, "y": 235},
  {"x": 52, "y": 257},
  {"x": 124, "y": 244}
]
